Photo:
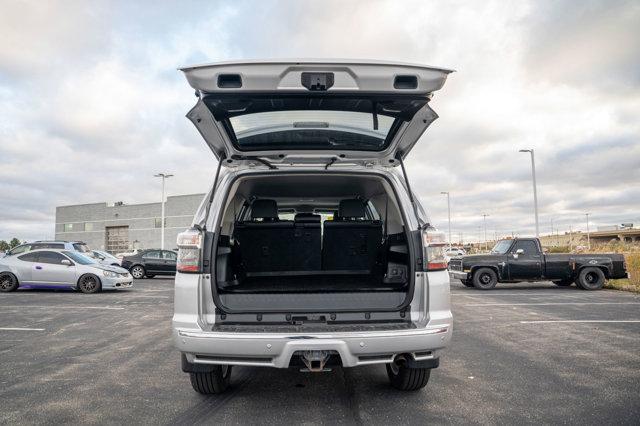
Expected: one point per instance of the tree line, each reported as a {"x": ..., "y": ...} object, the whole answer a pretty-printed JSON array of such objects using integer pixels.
[{"x": 4, "y": 246}]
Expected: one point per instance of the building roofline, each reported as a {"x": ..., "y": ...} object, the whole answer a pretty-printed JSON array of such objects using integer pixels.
[{"x": 104, "y": 203}]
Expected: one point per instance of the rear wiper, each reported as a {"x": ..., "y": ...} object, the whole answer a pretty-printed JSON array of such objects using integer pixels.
[{"x": 258, "y": 159}]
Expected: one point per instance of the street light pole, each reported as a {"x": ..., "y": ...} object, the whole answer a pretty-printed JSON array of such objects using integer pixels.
[
  {"x": 164, "y": 176},
  {"x": 449, "y": 213},
  {"x": 535, "y": 191},
  {"x": 484, "y": 220},
  {"x": 588, "y": 236}
]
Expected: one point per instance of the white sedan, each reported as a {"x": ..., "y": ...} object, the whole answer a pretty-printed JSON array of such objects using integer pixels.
[{"x": 60, "y": 269}]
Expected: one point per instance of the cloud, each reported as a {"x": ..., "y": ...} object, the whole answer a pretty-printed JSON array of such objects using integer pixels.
[{"x": 91, "y": 103}]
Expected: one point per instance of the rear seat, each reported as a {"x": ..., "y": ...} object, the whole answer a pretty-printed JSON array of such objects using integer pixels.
[
  {"x": 306, "y": 242},
  {"x": 265, "y": 241},
  {"x": 269, "y": 245},
  {"x": 350, "y": 241}
]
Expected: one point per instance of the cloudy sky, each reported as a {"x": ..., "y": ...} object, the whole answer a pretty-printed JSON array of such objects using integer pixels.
[{"x": 91, "y": 104}]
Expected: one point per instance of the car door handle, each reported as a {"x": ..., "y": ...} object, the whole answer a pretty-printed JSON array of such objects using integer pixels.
[{"x": 38, "y": 267}]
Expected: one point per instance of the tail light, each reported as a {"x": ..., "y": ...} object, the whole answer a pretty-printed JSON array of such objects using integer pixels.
[
  {"x": 433, "y": 247},
  {"x": 189, "y": 251}
]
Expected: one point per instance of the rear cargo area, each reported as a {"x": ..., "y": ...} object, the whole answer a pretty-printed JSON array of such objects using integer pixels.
[{"x": 312, "y": 242}]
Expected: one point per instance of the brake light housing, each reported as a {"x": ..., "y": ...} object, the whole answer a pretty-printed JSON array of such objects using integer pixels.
[
  {"x": 189, "y": 245},
  {"x": 433, "y": 247}
]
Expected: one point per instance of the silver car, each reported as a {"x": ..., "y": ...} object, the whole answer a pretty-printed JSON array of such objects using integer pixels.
[
  {"x": 60, "y": 269},
  {"x": 106, "y": 258},
  {"x": 310, "y": 249}
]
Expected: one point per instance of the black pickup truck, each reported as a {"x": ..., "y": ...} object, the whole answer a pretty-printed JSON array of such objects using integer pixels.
[{"x": 522, "y": 259}]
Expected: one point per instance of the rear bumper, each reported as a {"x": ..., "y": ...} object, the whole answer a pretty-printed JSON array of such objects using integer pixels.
[
  {"x": 276, "y": 350},
  {"x": 459, "y": 275}
]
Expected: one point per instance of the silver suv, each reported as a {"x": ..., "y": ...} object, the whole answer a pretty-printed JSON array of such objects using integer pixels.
[
  {"x": 78, "y": 246},
  {"x": 310, "y": 249}
]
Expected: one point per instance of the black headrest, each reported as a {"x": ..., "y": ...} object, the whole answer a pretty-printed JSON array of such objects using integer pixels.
[
  {"x": 264, "y": 209},
  {"x": 351, "y": 209},
  {"x": 307, "y": 218}
]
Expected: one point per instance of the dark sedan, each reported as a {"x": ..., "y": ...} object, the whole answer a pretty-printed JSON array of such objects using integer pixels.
[{"x": 152, "y": 262}]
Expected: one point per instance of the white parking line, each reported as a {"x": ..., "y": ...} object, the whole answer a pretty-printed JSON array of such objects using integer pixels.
[
  {"x": 524, "y": 293},
  {"x": 552, "y": 303},
  {"x": 20, "y": 329},
  {"x": 587, "y": 321},
  {"x": 59, "y": 307},
  {"x": 149, "y": 295}
]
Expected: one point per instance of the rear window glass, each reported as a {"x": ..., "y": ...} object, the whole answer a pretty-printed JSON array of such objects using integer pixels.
[
  {"x": 29, "y": 257},
  {"x": 313, "y": 121},
  {"x": 81, "y": 247},
  {"x": 169, "y": 255},
  {"x": 47, "y": 245},
  {"x": 311, "y": 130},
  {"x": 529, "y": 247},
  {"x": 20, "y": 249},
  {"x": 152, "y": 255}
]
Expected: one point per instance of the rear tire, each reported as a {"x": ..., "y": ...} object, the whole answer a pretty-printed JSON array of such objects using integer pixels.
[
  {"x": 563, "y": 283},
  {"x": 591, "y": 279},
  {"x": 485, "y": 279},
  {"x": 407, "y": 379},
  {"x": 137, "y": 272},
  {"x": 466, "y": 283},
  {"x": 89, "y": 284},
  {"x": 213, "y": 382},
  {"x": 8, "y": 282}
]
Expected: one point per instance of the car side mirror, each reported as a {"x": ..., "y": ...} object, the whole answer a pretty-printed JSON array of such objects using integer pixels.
[
  {"x": 66, "y": 262},
  {"x": 518, "y": 253}
]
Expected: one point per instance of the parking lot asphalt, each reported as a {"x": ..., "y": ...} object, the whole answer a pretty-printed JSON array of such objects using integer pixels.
[{"x": 522, "y": 353}]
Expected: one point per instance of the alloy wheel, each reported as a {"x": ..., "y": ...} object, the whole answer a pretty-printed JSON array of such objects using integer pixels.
[
  {"x": 88, "y": 284},
  {"x": 6, "y": 282},
  {"x": 137, "y": 272}
]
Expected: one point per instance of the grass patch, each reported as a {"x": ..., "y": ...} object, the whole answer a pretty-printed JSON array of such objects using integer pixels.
[
  {"x": 624, "y": 285},
  {"x": 633, "y": 268}
]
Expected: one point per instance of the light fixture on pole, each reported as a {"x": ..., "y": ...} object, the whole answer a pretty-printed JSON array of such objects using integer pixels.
[
  {"x": 535, "y": 191},
  {"x": 164, "y": 176},
  {"x": 449, "y": 213},
  {"x": 588, "y": 236},
  {"x": 484, "y": 220}
]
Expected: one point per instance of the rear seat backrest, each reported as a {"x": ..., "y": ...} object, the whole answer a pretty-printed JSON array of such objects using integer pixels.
[
  {"x": 350, "y": 241},
  {"x": 306, "y": 242},
  {"x": 265, "y": 240}
]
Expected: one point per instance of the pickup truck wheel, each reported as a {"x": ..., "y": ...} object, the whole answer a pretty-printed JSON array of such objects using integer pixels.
[
  {"x": 467, "y": 283},
  {"x": 485, "y": 279},
  {"x": 212, "y": 382},
  {"x": 591, "y": 279},
  {"x": 563, "y": 283},
  {"x": 8, "y": 282},
  {"x": 407, "y": 379}
]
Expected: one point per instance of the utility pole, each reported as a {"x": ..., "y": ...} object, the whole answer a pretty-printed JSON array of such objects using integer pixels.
[
  {"x": 535, "y": 191},
  {"x": 570, "y": 237},
  {"x": 484, "y": 220},
  {"x": 588, "y": 235},
  {"x": 449, "y": 213},
  {"x": 164, "y": 176}
]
